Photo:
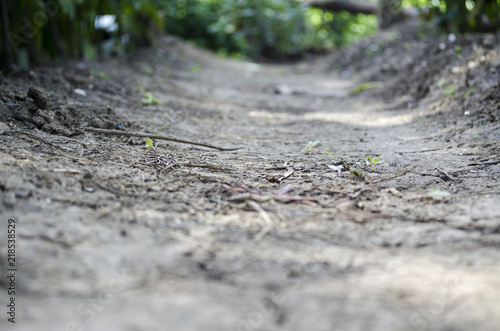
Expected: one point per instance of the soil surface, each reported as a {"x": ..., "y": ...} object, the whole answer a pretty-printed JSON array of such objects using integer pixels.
[{"x": 284, "y": 233}]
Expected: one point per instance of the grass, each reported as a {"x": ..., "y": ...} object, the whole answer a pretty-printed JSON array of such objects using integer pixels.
[
  {"x": 148, "y": 71},
  {"x": 308, "y": 150},
  {"x": 100, "y": 75},
  {"x": 419, "y": 117},
  {"x": 366, "y": 86},
  {"x": 195, "y": 68},
  {"x": 469, "y": 91}
]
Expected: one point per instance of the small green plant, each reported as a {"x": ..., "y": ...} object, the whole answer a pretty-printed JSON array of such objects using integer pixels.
[
  {"x": 195, "y": 68},
  {"x": 148, "y": 99},
  {"x": 469, "y": 91},
  {"x": 372, "y": 161},
  {"x": 100, "y": 75},
  {"x": 450, "y": 91},
  {"x": 149, "y": 71},
  {"x": 458, "y": 51},
  {"x": 366, "y": 86},
  {"x": 476, "y": 135},
  {"x": 308, "y": 150},
  {"x": 149, "y": 142}
]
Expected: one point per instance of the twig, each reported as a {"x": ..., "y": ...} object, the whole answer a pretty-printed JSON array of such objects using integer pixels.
[
  {"x": 484, "y": 163},
  {"x": 265, "y": 217},
  {"x": 153, "y": 136},
  {"x": 13, "y": 132},
  {"x": 399, "y": 174},
  {"x": 444, "y": 175}
]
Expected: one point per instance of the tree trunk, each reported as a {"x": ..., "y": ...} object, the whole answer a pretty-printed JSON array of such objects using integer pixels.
[{"x": 5, "y": 29}]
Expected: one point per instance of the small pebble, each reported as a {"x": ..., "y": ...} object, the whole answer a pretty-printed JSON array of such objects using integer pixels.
[{"x": 80, "y": 92}]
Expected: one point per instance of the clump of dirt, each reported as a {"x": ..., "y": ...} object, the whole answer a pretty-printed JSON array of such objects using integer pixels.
[{"x": 59, "y": 109}]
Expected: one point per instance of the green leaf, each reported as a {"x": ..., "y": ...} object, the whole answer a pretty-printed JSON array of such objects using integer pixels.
[
  {"x": 355, "y": 172},
  {"x": 149, "y": 142}
]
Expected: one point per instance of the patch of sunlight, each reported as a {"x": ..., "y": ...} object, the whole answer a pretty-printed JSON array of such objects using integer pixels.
[{"x": 378, "y": 119}]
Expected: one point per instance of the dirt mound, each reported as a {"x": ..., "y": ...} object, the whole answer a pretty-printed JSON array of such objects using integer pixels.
[{"x": 417, "y": 65}]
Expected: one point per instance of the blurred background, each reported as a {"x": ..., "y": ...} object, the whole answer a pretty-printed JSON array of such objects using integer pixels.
[{"x": 35, "y": 31}]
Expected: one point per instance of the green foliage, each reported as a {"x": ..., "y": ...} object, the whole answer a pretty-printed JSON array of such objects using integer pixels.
[
  {"x": 329, "y": 29},
  {"x": 49, "y": 29},
  {"x": 463, "y": 15},
  {"x": 255, "y": 28},
  {"x": 249, "y": 27}
]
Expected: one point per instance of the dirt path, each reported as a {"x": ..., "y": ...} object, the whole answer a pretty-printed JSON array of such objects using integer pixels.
[{"x": 113, "y": 237}]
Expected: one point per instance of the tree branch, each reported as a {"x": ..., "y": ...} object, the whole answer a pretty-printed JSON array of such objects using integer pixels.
[{"x": 153, "y": 136}]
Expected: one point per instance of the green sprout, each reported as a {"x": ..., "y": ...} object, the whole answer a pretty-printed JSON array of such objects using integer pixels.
[
  {"x": 476, "y": 135},
  {"x": 372, "y": 161},
  {"x": 151, "y": 145},
  {"x": 149, "y": 142},
  {"x": 450, "y": 91},
  {"x": 309, "y": 146},
  {"x": 148, "y": 99},
  {"x": 308, "y": 150}
]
